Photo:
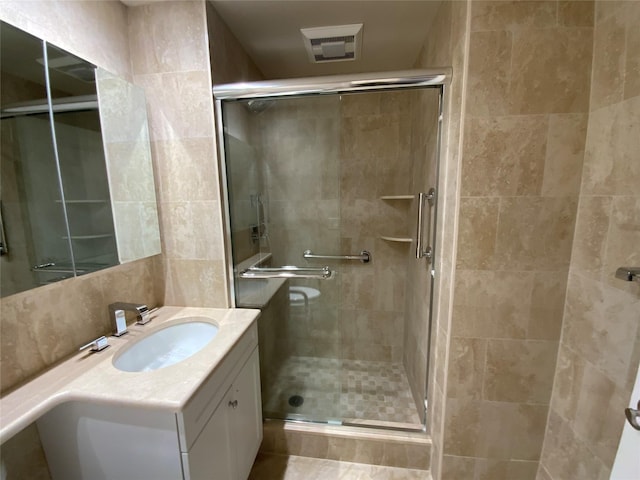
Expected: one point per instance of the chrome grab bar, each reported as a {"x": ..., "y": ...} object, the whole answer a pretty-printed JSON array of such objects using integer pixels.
[
  {"x": 288, "y": 271},
  {"x": 420, "y": 250},
  {"x": 364, "y": 256}
]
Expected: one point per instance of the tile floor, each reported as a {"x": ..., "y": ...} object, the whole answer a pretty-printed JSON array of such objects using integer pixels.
[
  {"x": 351, "y": 391},
  {"x": 280, "y": 467}
]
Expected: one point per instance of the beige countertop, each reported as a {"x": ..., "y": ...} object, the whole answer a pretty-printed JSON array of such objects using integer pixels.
[{"x": 92, "y": 376}]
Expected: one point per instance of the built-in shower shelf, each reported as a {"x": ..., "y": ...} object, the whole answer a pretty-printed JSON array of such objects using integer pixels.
[
  {"x": 397, "y": 239},
  {"x": 397, "y": 197}
]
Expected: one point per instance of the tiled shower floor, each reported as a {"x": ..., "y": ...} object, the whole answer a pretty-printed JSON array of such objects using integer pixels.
[{"x": 351, "y": 391}]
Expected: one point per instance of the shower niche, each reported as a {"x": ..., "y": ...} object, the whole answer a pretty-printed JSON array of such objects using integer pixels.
[{"x": 335, "y": 174}]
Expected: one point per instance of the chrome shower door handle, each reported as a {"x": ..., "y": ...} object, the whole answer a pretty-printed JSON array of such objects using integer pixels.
[
  {"x": 427, "y": 251},
  {"x": 633, "y": 414}
]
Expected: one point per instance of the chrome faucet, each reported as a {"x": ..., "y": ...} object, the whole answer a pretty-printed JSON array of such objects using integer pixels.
[{"x": 141, "y": 310}]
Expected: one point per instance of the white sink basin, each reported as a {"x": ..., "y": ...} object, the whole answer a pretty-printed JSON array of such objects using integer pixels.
[{"x": 166, "y": 347}]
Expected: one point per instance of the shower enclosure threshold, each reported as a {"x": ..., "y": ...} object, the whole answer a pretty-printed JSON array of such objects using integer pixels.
[{"x": 375, "y": 446}]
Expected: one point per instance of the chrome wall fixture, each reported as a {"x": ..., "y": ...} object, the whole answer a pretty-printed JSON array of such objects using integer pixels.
[
  {"x": 430, "y": 198},
  {"x": 364, "y": 256},
  {"x": 287, "y": 271},
  {"x": 630, "y": 274}
]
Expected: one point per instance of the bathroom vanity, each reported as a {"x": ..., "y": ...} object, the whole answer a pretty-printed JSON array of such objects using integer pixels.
[{"x": 195, "y": 419}]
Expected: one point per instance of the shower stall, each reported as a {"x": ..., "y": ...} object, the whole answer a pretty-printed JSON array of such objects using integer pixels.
[{"x": 331, "y": 204}]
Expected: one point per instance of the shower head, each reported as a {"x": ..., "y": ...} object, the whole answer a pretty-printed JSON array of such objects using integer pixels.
[{"x": 258, "y": 106}]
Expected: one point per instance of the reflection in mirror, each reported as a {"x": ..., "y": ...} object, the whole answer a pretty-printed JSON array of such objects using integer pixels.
[
  {"x": 77, "y": 191},
  {"x": 125, "y": 133},
  {"x": 33, "y": 223},
  {"x": 85, "y": 186}
]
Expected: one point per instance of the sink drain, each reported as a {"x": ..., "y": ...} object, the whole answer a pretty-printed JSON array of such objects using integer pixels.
[{"x": 296, "y": 400}]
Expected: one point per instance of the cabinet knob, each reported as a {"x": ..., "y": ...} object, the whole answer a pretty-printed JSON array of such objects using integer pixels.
[{"x": 233, "y": 404}]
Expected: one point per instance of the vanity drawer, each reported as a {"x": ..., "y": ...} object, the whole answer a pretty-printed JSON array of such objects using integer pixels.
[{"x": 202, "y": 404}]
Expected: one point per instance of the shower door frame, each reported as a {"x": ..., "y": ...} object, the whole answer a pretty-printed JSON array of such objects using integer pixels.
[{"x": 330, "y": 85}]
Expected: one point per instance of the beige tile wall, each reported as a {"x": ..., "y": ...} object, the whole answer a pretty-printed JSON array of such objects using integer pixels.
[
  {"x": 600, "y": 344},
  {"x": 69, "y": 313},
  {"x": 170, "y": 58},
  {"x": 527, "y": 103},
  {"x": 375, "y": 160},
  {"x": 446, "y": 45}
]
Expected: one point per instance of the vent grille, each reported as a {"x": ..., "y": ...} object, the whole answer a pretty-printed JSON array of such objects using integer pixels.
[
  {"x": 332, "y": 44},
  {"x": 318, "y": 41}
]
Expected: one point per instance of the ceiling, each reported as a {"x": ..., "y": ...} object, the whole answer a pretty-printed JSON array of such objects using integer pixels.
[{"x": 269, "y": 30}]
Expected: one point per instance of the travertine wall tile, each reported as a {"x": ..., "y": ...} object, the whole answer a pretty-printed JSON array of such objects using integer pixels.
[
  {"x": 456, "y": 467},
  {"x": 180, "y": 104},
  {"x": 607, "y": 83},
  {"x": 491, "y": 304},
  {"x": 524, "y": 146},
  {"x": 489, "y": 469},
  {"x": 504, "y": 156},
  {"x": 547, "y": 305},
  {"x": 478, "y": 228},
  {"x": 564, "y": 155},
  {"x": 466, "y": 374},
  {"x": 196, "y": 282},
  {"x": 600, "y": 344},
  {"x": 592, "y": 226},
  {"x": 535, "y": 233},
  {"x": 168, "y": 40},
  {"x": 565, "y": 455},
  {"x": 550, "y": 71},
  {"x": 500, "y": 430},
  {"x": 610, "y": 164},
  {"x": 576, "y": 14},
  {"x": 181, "y": 178},
  {"x": 590, "y": 307},
  {"x": 489, "y": 72},
  {"x": 632, "y": 62},
  {"x": 519, "y": 370}
]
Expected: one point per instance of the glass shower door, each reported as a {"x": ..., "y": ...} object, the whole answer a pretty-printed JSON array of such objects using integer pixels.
[
  {"x": 322, "y": 176},
  {"x": 283, "y": 185}
]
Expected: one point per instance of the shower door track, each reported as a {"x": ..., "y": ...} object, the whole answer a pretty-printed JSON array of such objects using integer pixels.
[{"x": 332, "y": 84}]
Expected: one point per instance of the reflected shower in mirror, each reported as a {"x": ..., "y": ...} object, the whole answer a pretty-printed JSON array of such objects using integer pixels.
[{"x": 77, "y": 192}]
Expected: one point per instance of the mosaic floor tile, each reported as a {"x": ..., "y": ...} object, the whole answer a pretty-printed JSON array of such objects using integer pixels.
[{"x": 340, "y": 390}]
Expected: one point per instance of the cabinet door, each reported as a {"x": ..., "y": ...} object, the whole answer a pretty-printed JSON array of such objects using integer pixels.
[
  {"x": 246, "y": 416},
  {"x": 211, "y": 456}
]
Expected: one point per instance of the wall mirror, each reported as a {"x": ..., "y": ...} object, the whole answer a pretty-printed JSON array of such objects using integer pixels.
[{"x": 76, "y": 181}]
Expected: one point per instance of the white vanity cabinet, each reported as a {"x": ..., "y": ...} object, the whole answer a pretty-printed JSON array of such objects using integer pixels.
[
  {"x": 229, "y": 442},
  {"x": 215, "y": 436}
]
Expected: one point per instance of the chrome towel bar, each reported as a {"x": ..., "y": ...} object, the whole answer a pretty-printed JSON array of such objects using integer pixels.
[
  {"x": 364, "y": 256},
  {"x": 288, "y": 271}
]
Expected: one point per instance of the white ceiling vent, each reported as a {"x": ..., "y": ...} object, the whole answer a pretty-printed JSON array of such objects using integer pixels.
[{"x": 333, "y": 44}]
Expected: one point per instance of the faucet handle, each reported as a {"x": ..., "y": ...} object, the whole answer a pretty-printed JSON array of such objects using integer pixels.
[
  {"x": 144, "y": 316},
  {"x": 97, "y": 344}
]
